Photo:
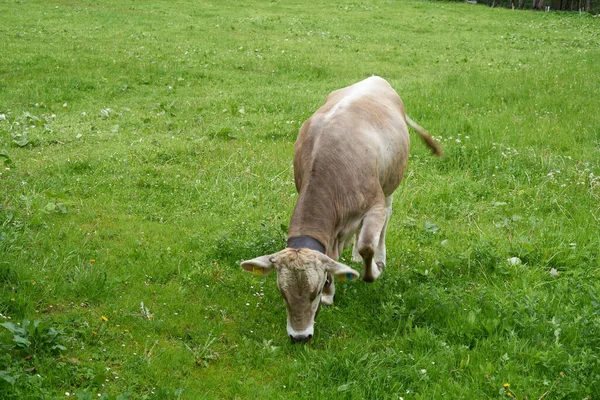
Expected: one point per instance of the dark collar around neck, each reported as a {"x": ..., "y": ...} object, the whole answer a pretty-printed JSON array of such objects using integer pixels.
[{"x": 305, "y": 242}]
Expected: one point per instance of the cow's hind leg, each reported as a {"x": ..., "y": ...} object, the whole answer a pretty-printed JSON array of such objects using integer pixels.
[{"x": 368, "y": 243}]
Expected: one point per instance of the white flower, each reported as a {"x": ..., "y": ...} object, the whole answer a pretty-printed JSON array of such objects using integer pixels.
[{"x": 514, "y": 261}]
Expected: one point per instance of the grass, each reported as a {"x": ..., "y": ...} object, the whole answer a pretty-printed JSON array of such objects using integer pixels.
[{"x": 146, "y": 148}]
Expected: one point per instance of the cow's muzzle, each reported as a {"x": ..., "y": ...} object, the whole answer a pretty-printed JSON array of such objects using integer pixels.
[{"x": 301, "y": 338}]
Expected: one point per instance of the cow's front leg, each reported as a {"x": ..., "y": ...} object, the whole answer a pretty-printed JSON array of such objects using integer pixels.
[
  {"x": 380, "y": 255},
  {"x": 328, "y": 291},
  {"x": 368, "y": 242},
  {"x": 355, "y": 254}
]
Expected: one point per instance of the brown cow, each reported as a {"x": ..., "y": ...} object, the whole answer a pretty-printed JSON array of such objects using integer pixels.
[{"x": 349, "y": 158}]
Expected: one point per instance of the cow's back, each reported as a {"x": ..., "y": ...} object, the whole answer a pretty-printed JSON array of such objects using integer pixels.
[{"x": 357, "y": 143}]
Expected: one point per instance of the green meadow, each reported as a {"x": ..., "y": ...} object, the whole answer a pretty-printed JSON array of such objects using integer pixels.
[{"x": 146, "y": 149}]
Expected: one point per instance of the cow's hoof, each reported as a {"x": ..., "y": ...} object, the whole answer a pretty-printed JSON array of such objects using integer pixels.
[
  {"x": 374, "y": 272},
  {"x": 327, "y": 300},
  {"x": 368, "y": 279}
]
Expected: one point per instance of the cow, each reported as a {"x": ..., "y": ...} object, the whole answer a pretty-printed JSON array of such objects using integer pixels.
[{"x": 349, "y": 158}]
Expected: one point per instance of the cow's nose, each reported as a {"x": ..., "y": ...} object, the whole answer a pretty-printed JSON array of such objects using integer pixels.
[{"x": 300, "y": 338}]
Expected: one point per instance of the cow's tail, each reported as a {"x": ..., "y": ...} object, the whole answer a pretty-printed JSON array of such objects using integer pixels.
[{"x": 435, "y": 148}]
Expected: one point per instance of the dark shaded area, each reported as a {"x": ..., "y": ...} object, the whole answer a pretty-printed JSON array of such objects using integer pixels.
[{"x": 590, "y": 6}]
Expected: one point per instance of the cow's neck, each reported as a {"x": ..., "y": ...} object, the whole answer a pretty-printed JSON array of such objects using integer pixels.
[{"x": 314, "y": 219}]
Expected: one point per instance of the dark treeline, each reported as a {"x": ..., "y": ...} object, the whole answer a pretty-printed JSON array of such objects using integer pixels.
[{"x": 591, "y": 6}]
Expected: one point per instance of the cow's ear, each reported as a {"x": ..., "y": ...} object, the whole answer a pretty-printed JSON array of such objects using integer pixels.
[
  {"x": 341, "y": 271},
  {"x": 259, "y": 265}
]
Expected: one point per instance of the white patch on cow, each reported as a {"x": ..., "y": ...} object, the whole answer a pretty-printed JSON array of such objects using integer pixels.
[{"x": 355, "y": 92}]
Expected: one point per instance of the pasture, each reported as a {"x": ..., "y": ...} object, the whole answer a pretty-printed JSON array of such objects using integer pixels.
[{"x": 146, "y": 149}]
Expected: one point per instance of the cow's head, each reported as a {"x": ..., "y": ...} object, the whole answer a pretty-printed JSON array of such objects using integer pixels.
[{"x": 301, "y": 276}]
